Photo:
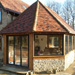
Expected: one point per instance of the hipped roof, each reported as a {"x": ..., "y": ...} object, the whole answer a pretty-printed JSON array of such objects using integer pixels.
[
  {"x": 38, "y": 18},
  {"x": 15, "y": 6}
]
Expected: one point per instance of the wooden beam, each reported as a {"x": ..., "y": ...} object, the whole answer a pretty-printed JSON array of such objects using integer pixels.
[
  {"x": 68, "y": 43},
  {"x": 72, "y": 42},
  {"x": 60, "y": 42},
  {"x": 49, "y": 57},
  {"x": 4, "y": 50},
  {"x": 31, "y": 51},
  {"x": 64, "y": 44}
]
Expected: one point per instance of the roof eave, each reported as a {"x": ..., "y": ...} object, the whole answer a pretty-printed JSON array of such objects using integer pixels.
[{"x": 9, "y": 10}]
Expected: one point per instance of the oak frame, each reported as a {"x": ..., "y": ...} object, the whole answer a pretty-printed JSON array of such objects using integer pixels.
[{"x": 47, "y": 43}]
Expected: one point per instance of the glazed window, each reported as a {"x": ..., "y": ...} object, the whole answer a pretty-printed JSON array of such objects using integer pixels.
[
  {"x": 66, "y": 44},
  {"x": 73, "y": 42},
  {"x": 47, "y": 45},
  {"x": 70, "y": 43},
  {"x": 0, "y": 16}
]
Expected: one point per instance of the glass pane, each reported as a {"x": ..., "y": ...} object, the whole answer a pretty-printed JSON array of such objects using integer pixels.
[
  {"x": 70, "y": 43},
  {"x": 0, "y": 16},
  {"x": 40, "y": 44},
  {"x": 17, "y": 50},
  {"x": 25, "y": 51},
  {"x": 11, "y": 49},
  {"x": 53, "y": 42},
  {"x": 46, "y": 45},
  {"x": 66, "y": 44}
]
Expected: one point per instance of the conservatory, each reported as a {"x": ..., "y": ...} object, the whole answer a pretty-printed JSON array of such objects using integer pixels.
[{"x": 40, "y": 40}]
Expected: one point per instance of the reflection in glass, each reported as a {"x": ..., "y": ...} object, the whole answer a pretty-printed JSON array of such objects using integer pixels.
[
  {"x": 70, "y": 43},
  {"x": 47, "y": 45},
  {"x": 66, "y": 44},
  {"x": 53, "y": 42},
  {"x": 25, "y": 51},
  {"x": 17, "y": 50},
  {"x": 11, "y": 49},
  {"x": 73, "y": 42}
]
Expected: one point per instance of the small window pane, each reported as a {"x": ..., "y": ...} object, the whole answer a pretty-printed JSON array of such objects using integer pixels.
[
  {"x": 25, "y": 51},
  {"x": 17, "y": 50},
  {"x": 11, "y": 49},
  {"x": 53, "y": 42},
  {"x": 70, "y": 43},
  {"x": 66, "y": 44}
]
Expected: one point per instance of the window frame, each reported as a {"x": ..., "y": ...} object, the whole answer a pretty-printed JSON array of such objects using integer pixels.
[
  {"x": 53, "y": 56},
  {"x": 1, "y": 16},
  {"x": 69, "y": 44},
  {"x": 14, "y": 50}
]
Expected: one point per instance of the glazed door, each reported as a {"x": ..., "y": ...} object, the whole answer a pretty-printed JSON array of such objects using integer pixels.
[
  {"x": 18, "y": 50},
  {"x": 10, "y": 50},
  {"x": 24, "y": 50}
]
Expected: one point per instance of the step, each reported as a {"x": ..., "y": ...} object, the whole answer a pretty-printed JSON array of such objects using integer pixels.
[{"x": 20, "y": 71}]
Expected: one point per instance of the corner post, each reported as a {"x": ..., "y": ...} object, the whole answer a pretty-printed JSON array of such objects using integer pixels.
[
  {"x": 4, "y": 50},
  {"x": 31, "y": 48},
  {"x": 64, "y": 44}
]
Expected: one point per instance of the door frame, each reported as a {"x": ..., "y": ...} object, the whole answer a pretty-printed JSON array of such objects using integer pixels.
[{"x": 20, "y": 51}]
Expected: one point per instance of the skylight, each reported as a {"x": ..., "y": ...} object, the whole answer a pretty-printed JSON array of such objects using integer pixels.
[{"x": 24, "y": 7}]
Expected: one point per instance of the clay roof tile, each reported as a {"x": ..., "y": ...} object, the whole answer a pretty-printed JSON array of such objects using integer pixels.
[{"x": 38, "y": 18}]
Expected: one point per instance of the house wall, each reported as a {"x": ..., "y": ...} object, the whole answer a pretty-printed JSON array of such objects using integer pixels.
[
  {"x": 69, "y": 59},
  {"x": 48, "y": 65},
  {"x": 6, "y": 19}
]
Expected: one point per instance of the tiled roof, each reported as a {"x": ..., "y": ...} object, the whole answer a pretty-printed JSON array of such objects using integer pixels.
[
  {"x": 23, "y": 23},
  {"x": 38, "y": 18},
  {"x": 14, "y": 5}
]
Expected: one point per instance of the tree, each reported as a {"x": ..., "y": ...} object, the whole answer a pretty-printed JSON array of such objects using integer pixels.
[
  {"x": 54, "y": 6},
  {"x": 65, "y": 10},
  {"x": 68, "y": 10}
]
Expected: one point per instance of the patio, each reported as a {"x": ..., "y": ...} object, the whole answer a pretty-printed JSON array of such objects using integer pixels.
[{"x": 12, "y": 70}]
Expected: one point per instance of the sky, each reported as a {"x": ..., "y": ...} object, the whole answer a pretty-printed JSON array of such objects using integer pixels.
[{"x": 43, "y": 1}]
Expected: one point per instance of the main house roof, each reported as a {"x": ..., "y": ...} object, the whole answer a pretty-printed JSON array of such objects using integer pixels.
[
  {"x": 14, "y": 5},
  {"x": 38, "y": 18}
]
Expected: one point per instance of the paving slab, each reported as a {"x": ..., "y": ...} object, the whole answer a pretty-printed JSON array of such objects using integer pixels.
[
  {"x": 7, "y": 73},
  {"x": 13, "y": 69},
  {"x": 71, "y": 69},
  {"x": 62, "y": 73},
  {"x": 59, "y": 73}
]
